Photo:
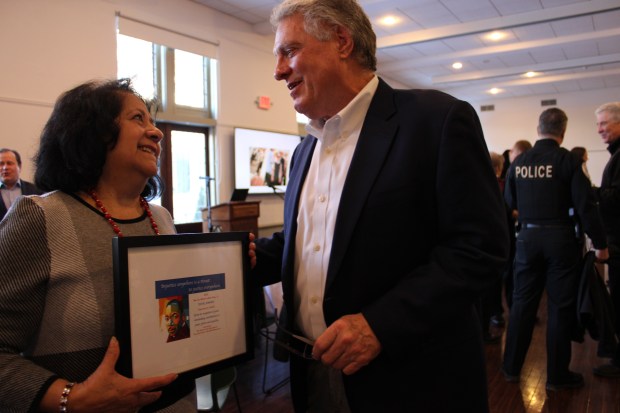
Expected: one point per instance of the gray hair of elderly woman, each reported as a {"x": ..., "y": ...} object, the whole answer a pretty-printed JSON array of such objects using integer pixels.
[{"x": 322, "y": 16}]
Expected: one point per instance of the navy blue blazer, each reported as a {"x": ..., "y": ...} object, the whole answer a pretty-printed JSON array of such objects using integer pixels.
[
  {"x": 420, "y": 232},
  {"x": 27, "y": 189}
]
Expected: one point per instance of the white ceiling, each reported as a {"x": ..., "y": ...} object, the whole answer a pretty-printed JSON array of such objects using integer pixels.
[{"x": 573, "y": 44}]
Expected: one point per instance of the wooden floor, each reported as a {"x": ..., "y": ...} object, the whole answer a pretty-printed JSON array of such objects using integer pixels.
[{"x": 599, "y": 395}]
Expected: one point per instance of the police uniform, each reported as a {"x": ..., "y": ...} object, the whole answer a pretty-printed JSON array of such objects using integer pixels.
[{"x": 543, "y": 184}]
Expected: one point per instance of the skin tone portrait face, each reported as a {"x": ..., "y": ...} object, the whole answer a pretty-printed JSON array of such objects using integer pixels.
[
  {"x": 173, "y": 317},
  {"x": 311, "y": 69},
  {"x": 607, "y": 127},
  {"x": 9, "y": 170},
  {"x": 137, "y": 151}
]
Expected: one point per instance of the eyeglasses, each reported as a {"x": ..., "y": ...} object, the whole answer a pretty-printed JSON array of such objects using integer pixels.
[{"x": 294, "y": 343}]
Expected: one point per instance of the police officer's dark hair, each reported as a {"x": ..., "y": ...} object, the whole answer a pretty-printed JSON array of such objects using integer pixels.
[
  {"x": 17, "y": 157},
  {"x": 552, "y": 122},
  {"x": 76, "y": 139}
]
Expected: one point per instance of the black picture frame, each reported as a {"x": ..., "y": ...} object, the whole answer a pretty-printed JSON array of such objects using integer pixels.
[{"x": 205, "y": 275}]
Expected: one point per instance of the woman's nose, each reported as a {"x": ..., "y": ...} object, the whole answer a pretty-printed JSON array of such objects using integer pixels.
[{"x": 155, "y": 134}]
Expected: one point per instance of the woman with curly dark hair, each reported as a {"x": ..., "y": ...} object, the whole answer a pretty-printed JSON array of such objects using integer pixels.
[{"x": 98, "y": 160}]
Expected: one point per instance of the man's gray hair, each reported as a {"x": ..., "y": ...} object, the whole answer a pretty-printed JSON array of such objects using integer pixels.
[
  {"x": 322, "y": 16},
  {"x": 612, "y": 108}
]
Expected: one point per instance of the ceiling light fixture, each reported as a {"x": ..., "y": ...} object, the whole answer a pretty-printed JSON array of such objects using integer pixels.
[
  {"x": 389, "y": 20},
  {"x": 457, "y": 65},
  {"x": 530, "y": 74},
  {"x": 496, "y": 36},
  {"x": 495, "y": 91}
]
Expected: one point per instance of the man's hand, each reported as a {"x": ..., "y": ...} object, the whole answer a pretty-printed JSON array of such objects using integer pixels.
[
  {"x": 601, "y": 255},
  {"x": 348, "y": 344}
]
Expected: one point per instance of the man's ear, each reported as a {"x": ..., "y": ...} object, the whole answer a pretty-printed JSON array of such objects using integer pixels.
[{"x": 345, "y": 41}]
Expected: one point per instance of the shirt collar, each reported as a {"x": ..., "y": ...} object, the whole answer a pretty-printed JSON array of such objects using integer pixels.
[
  {"x": 613, "y": 147},
  {"x": 547, "y": 142},
  {"x": 18, "y": 184},
  {"x": 349, "y": 118}
]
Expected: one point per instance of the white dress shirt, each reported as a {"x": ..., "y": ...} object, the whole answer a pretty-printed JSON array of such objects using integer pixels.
[{"x": 318, "y": 206}]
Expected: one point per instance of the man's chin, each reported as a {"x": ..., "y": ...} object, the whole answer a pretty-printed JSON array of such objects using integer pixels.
[{"x": 299, "y": 108}]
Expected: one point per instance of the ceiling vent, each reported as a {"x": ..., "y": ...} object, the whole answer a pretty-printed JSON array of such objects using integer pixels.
[
  {"x": 487, "y": 108},
  {"x": 548, "y": 102}
]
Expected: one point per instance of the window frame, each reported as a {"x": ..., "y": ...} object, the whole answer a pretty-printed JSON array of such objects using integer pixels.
[
  {"x": 171, "y": 116},
  {"x": 171, "y": 112},
  {"x": 165, "y": 167}
]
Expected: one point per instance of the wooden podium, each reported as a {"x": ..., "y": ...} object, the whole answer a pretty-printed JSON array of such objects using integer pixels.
[{"x": 233, "y": 216}]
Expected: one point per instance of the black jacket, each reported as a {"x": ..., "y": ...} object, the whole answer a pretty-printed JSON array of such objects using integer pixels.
[
  {"x": 595, "y": 311},
  {"x": 27, "y": 189},
  {"x": 420, "y": 233},
  {"x": 609, "y": 193}
]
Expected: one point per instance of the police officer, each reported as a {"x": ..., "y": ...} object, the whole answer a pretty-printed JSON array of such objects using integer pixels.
[{"x": 542, "y": 185}]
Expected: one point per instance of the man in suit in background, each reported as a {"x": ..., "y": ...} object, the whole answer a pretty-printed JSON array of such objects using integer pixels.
[
  {"x": 608, "y": 195},
  {"x": 10, "y": 185},
  {"x": 393, "y": 226}
]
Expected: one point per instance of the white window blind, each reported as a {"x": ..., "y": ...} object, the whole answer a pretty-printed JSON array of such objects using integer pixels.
[{"x": 167, "y": 37}]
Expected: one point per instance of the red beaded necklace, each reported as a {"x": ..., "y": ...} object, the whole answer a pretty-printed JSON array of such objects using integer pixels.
[{"x": 108, "y": 217}]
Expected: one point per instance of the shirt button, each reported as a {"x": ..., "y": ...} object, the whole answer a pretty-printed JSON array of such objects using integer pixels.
[
  {"x": 328, "y": 151},
  {"x": 317, "y": 247},
  {"x": 314, "y": 299},
  {"x": 322, "y": 198}
]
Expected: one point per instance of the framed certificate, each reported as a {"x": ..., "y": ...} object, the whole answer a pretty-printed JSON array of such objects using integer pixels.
[{"x": 182, "y": 303}]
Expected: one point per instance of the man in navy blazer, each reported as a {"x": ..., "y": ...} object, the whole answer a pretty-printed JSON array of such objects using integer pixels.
[
  {"x": 393, "y": 226},
  {"x": 11, "y": 186}
]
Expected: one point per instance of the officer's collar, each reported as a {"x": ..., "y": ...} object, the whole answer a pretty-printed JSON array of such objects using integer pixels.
[{"x": 547, "y": 142}]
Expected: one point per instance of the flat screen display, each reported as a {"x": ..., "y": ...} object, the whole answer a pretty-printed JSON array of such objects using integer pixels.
[{"x": 262, "y": 160}]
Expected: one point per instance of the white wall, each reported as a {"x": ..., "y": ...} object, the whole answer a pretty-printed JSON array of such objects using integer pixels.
[
  {"x": 46, "y": 48},
  {"x": 516, "y": 118},
  {"x": 51, "y": 46}
]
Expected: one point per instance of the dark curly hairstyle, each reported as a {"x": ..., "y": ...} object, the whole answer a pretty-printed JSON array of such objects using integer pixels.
[{"x": 76, "y": 139}]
